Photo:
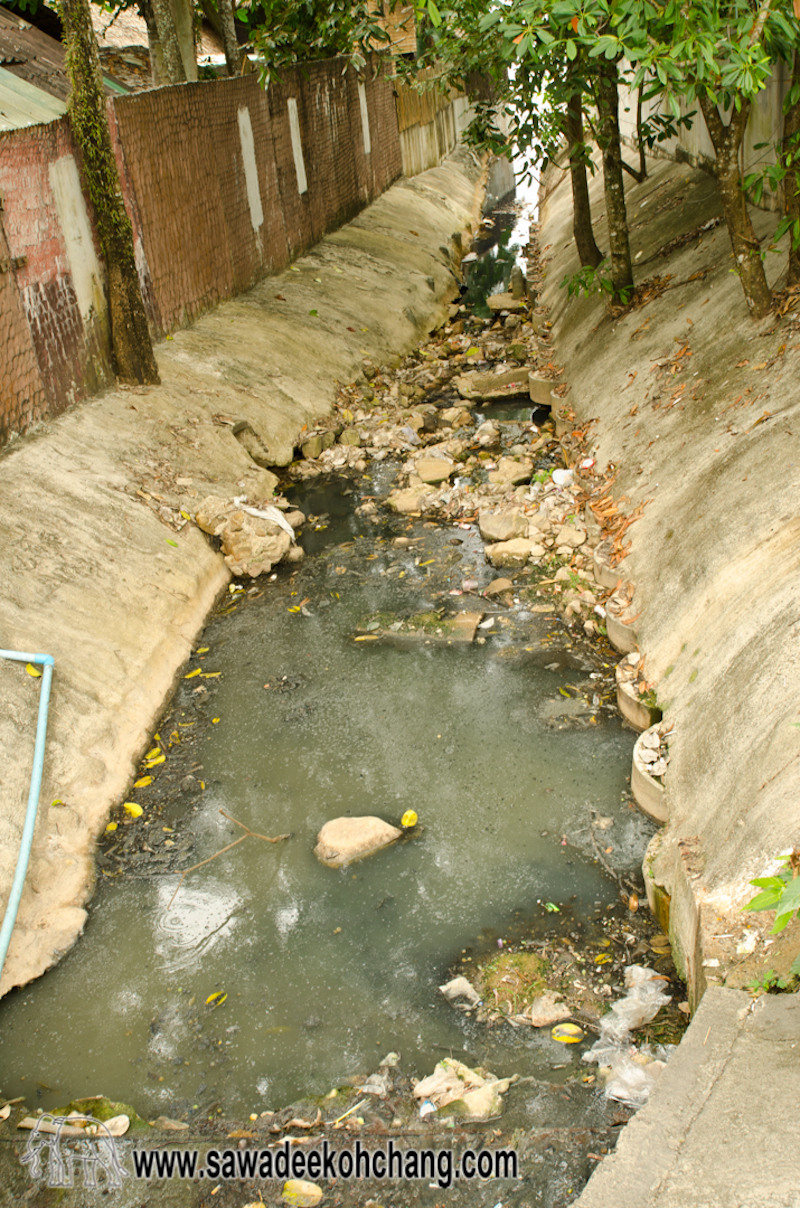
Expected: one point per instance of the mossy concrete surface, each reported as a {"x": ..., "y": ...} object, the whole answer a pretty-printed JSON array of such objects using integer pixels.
[
  {"x": 698, "y": 407},
  {"x": 98, "y": 568}
]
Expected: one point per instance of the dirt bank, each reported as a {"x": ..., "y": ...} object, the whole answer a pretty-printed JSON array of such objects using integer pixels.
[
  {"x": 698, "y": 409},
  {"x": 101, "y": 569}
]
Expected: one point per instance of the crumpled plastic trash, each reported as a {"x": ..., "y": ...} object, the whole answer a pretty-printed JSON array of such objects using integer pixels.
[
  {"x": 475, "y": 1094},
  {"x": 630, "y": 1073},
  {"x": 461, "y": 993}
]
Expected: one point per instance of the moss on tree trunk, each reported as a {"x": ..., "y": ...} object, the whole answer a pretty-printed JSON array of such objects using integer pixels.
[
  {"x": 616, "y": 213},
  {"x": 588, "y": 251},
  {"x": 727, "y": 140},
  {"x": 130, "y": 337},
  {"x": 791, "y": 185}
]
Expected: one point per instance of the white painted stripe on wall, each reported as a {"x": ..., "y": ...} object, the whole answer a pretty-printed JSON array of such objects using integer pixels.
[
  {"x": 362, "y": 101},
  {"x": 297, "y": 146},
  {"x": 73, "y": 217},
  {"x": 250, "y": 168}
]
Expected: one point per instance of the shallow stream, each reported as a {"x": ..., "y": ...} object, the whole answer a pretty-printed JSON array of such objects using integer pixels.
[{"x": 325, "y": 971}]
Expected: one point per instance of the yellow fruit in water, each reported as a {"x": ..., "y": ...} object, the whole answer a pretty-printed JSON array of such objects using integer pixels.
[
  {"x": 567, "y": 1033},
  {"x": 409, "y": 819}
]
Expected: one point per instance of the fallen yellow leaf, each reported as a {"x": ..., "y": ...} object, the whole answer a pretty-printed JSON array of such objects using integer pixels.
[
  {"x": 142, "y": 782},
  {"x": 217, "y": 998},
  {"x": 151, "y": 754},
  {"x": 112, "y": 826},
  {"x": 192, "y": 674},
  {"x": 31, "y": 670},
  {"x": 133, "y": 809}
]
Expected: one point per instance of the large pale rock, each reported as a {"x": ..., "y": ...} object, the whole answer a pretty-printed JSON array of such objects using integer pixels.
[
  {"x": 502, "y": 526},
  {"x": 250, "y": 545},
  {"x": 253, "y": 547},
  {"x": 433, "y": 469},
  {"x": 510, "y": 553},
  {"x": 344, "y": 840}
]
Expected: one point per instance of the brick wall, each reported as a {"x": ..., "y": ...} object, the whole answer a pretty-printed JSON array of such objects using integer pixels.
[
  {"x": 66, "y": 348},
  {"x": 209, "y": 176},
  {"x": 204, "y": 235}
]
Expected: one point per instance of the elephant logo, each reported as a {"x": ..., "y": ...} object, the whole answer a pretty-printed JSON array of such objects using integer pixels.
[{"x": 71, "y": 1141}]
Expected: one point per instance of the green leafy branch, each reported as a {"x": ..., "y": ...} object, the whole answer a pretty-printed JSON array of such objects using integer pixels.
[{"x": 780, "y": 893}]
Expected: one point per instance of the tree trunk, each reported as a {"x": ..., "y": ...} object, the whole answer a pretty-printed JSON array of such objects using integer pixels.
[
  {"x": 616, "y": 214},
  {"x": 233, "y": 54},
  {"x": 791, "y": 184},
  {"x": 168, "y": 41},
  {"x": 135, "y": 362},
  {"x": 639, "y": 139},
  {"x": 588, "y": 251},
  {"x": 727, "y": 140}
]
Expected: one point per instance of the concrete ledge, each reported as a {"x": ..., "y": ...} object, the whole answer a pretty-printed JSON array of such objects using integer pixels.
[
  {"x": 648, "y": 791},
  {"x": 713, "y": 1134}
]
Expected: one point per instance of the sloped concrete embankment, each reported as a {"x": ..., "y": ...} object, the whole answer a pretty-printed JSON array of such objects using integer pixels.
[
  {"x": 699, "y": 411},
  {"x": 99, "y": 567},
  {"x": 710, "y": 1137}
]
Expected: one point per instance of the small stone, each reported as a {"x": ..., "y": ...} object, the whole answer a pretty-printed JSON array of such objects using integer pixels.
[
  {"x": 509, "y": 553},
  {"x": 502, "y": 526},
  {"x": 301, "y": 1194},
  {"x": 350, "y": 436},
  {"x": 498, "y": 587},
  {"x": 312, "y": 448},
  {"x": 434, "y": 469},
  {"x": 570, "y": 535},
  {"x": 510, "y": 471},
  {"x": 408, "y": 501}
]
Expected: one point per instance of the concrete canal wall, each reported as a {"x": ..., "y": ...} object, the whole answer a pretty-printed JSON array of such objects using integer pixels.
[
  {"x": 697, "y": 412},
  {"x": 99, "y": 569}
]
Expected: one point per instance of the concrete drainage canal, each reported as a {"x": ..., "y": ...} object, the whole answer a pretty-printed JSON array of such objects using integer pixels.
[{"x": 391, "y": 673}]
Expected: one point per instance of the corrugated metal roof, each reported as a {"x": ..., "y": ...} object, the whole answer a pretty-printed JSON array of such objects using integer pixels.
[
  {"x": 22, "y": 104},
  {"x": 31, "y": 55}
]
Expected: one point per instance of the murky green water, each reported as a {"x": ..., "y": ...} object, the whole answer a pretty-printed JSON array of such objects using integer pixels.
[{"x": 326, "y": 971}]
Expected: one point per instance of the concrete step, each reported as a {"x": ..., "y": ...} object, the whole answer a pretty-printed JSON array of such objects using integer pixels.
[{"x": 721, "y": 1129}]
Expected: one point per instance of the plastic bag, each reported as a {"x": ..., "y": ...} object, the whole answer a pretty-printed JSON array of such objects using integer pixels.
[
  {"x": 641, "y": 1004},
  {"x": 630, "y": 1073}
]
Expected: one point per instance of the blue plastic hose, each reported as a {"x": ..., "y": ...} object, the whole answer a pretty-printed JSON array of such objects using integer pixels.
[{"x": 10, "y": 917}]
